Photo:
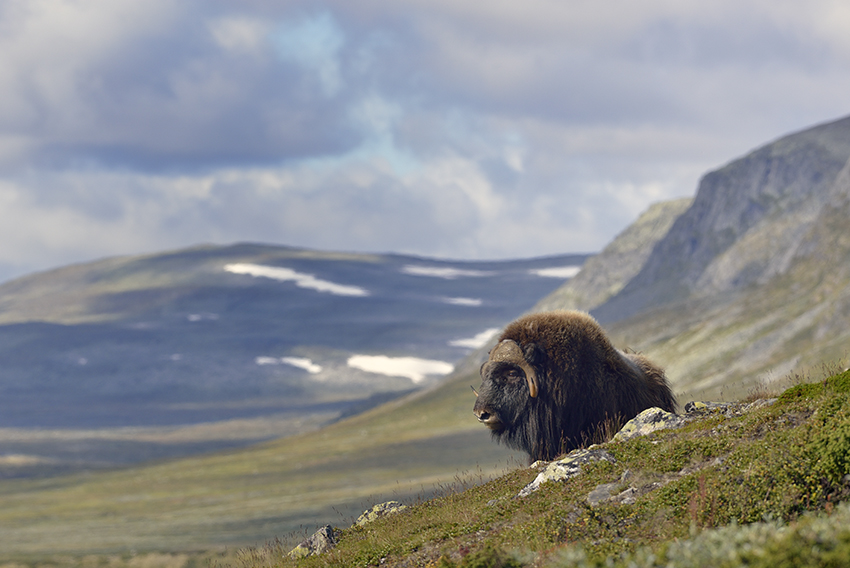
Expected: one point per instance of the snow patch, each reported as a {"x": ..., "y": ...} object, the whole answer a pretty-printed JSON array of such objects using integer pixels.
[
  {"x": 557, "y": 271},
  {"x": 301, "y": 280},
  {"x": 443, "y": 272},
  {"x": 205, "y": 316},
  {"x": 300, "y": 362},
  {"x": 473, "y": 302},
  {"x": 413, "y": 368},
  {"x": 477, "y": 341}
]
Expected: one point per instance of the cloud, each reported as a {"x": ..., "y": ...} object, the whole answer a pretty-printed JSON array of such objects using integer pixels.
[{"x": 455, "y": 129}]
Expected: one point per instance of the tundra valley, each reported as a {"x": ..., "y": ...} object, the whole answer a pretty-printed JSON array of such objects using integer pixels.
[{"x": 740, "y": 293}]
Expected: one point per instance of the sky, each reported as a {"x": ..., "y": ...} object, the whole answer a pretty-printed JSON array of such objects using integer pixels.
[{"x": 444, "y": 128}]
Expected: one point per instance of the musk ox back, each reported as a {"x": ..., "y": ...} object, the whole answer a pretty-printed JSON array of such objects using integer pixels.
[{"x": 554, "y": 379}]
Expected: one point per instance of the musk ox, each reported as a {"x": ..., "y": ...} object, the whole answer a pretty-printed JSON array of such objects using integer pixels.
[{"x": 554, "y": 380}]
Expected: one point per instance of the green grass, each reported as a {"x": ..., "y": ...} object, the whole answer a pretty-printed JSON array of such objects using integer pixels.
[
  {"x": 727, "y": 488},
  {"x": 247, "y": 497},
  {"x": 760, "y": 474}
]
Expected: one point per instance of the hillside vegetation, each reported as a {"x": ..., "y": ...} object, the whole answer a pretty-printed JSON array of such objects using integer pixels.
[{"x": 737, "y": 485}]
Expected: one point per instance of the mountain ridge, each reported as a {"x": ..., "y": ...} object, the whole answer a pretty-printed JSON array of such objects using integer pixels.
[{"x": 742, "y": 212}]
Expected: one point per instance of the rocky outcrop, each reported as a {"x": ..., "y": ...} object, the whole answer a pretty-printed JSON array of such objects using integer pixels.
[
  {"x": 565, "y": 468},
  {"x": 326, "y": 538},
  {"x": 378, "y": 511},
  {"x": 649, "y": 421},
  {"x": 321, "y": 541}
]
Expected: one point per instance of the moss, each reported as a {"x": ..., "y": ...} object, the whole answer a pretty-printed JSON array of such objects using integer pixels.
[
  {"x": 801, "y": 391},
  {"x": 830, "y": 446},
  {"x": 487, "y": 557}
]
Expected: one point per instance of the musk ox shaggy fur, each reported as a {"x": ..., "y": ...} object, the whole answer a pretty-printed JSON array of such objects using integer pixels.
[{"x": 554, "y": 380}]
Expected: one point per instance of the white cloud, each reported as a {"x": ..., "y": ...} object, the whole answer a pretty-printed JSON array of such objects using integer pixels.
[
  {"x": 456, "y": 129},
  {"x": 301, "y": 280},
  {"x": 240, "y": 33},
  {"x": 413, "y": 368}
]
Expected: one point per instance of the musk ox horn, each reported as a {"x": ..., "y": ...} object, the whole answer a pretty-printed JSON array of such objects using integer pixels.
[{"x": 509, "y": 351}]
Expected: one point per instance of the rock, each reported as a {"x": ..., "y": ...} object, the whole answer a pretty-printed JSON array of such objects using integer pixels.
[
  {"x": 602, "y": 493},
  {"x": 606, "y": 492},
  {"x": 648, "y": 421},
  {"x": 701, "y": 406},
  {"x": 729, "y": 409},
  {"x": 565, "y": 468},
  {"x": 322, "y": 540},
  {"x": 378, "y": 511}
]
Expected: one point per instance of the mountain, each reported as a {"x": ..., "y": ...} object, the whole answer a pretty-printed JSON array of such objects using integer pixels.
[
  {"x": 284, "y": 337},
  {"x": 606, "y": 273},
  {"x": 751, "y": 282}
]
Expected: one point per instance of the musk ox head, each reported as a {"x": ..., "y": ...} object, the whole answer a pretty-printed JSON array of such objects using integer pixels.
[
  {"x": 554, "y": 381},
  {"x": 508, "y": 380}
]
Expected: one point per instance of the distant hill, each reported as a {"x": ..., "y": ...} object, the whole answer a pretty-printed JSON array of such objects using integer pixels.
[
  {"x": 752, "y": 281},
  {"x": 239, "y": 332}
]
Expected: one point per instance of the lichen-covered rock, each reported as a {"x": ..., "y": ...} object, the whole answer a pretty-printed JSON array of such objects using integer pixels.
[
  {"x": 378, "y": 511},
  {"x": 567, "y": 467},
  {"x": 728, "y": 409},
  {"x": 702, "y": 406},
  {"x": 322, "y": 540},
  {"x": 648, "y": 421}
]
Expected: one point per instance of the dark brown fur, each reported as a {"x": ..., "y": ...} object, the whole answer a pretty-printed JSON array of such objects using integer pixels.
[{"x": 584, "y": 384}]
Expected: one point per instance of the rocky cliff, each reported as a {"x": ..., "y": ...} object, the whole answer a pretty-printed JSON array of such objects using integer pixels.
[
  {"x": 750, "y": 283},
  {"x": 746, "y": 224}
]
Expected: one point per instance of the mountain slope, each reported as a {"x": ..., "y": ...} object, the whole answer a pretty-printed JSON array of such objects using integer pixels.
[
  {"x": 745, "y": 224},
  {"x": 606, "y": 273},
  {"x": 751, "y": 282}
]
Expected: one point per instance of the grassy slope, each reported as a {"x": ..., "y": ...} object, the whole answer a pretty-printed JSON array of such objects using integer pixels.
[
  {"x": 254, "y": 495},
  {"x": 779, "y": 461}
]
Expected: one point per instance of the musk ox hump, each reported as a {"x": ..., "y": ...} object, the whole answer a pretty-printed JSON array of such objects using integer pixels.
[{"x": 509, "y": 351}]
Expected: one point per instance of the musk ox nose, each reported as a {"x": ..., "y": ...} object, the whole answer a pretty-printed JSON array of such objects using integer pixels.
[
  {"x": 488, "y": 418},
  {"x": 483, "y": 415}
]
